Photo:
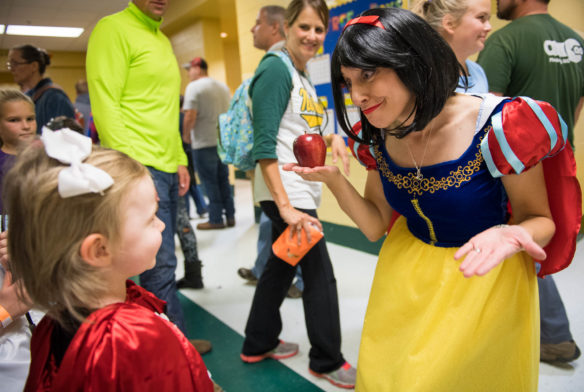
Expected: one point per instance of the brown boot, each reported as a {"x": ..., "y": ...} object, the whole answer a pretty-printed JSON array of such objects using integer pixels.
[
  {"x": 210, "y": 226},
  {"x": 246, "y": 274},
  {"x": 294, "y": 292},
  {"x": 202, "y": 346},
  {"x": 559, "y": 352}
]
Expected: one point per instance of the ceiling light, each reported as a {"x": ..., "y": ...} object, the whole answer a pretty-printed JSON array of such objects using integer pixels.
[
  {"x": 1, "y": 29},
  {"x": 223, "y": 35},
  {"x": 44, "y": 31}
]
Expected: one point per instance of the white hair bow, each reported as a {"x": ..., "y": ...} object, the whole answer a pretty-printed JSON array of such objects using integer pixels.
[{"x": 72, "y": 148}]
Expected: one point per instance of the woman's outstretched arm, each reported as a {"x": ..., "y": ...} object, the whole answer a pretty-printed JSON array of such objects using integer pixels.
[{"x": 370, "y": 212}]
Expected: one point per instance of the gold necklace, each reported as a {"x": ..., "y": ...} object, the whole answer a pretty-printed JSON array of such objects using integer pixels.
[{"x": 419, "y": 175}]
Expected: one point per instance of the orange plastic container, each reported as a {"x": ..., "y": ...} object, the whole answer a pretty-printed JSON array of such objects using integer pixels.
[{"x": 288, "y": 249}]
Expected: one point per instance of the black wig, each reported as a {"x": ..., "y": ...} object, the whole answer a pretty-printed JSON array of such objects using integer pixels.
[{"x": 421, "y": 58}]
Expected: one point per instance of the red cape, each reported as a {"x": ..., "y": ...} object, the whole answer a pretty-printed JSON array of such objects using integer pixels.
[{"x": 122, "y": 347}]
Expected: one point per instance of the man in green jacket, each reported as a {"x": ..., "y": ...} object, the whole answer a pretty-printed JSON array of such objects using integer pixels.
[{"x": 134, "y": 87}]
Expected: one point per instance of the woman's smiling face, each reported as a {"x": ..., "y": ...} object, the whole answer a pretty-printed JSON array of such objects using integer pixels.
[
  {"x": 381, "y": 95},
  {"x": 471, "y": 31},
  {"x": 305, "y": 36}
]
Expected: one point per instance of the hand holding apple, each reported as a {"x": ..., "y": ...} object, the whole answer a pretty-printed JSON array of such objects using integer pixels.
[
  {"x": 324, "y": 174},
  {"x": 310, "y": 150}
]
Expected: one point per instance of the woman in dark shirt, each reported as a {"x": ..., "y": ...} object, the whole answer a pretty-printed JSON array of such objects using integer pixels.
[{"x": 27, "y": 65}]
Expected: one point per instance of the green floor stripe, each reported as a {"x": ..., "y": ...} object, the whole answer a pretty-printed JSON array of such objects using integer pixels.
[{"x": 225, "y": 365}]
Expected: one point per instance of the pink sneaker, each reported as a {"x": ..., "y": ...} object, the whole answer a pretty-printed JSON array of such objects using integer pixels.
[
  {"x": 343, "y": 377},
  {"x": 282, "y": 351}
]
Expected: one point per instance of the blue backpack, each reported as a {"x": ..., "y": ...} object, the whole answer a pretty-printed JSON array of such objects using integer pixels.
[{"x": 235, "y": 133}]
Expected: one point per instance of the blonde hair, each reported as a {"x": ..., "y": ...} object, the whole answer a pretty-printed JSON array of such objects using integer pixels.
[
  {"x": 12, "y": 95},
  {"x": 434, "y": 11},
  {"x": 296, "y": 7},
  {"x": 46, "y": 231}
]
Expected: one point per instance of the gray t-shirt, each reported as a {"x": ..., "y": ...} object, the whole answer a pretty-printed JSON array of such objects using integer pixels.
[{"x": 209, "y": 98}]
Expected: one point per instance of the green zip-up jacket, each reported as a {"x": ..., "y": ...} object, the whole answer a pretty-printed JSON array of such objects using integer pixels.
[{"x": 134, "y": 88}]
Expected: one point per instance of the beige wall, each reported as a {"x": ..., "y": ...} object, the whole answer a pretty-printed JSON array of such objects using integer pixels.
[
  {"x": 247, "y": 11},
  {"x": 232, "y": 72},
  {"x": 201, "y": 39},
  {"x": 187, "y": 45}
]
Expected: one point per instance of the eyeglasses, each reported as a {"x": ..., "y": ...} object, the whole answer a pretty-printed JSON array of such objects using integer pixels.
[{"x": 12, "y": 64}]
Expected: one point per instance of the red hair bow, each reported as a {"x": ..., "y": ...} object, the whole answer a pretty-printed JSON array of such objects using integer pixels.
[{"x": 372, "y": 20}]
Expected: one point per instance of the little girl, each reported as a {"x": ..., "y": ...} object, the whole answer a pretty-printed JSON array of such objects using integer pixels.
[
  {"x": 17, "y": 127},
  {"x": 82, "y": 222}
]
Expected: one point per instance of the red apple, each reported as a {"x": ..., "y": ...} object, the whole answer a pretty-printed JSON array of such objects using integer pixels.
[{"x": 310, "y": 150}]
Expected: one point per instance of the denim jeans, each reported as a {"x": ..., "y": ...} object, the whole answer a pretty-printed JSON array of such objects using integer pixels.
[
  {"x": 214, "y": 176},
  {"x": 197, "y": 194},
  {"x": 160, "y": 280}
]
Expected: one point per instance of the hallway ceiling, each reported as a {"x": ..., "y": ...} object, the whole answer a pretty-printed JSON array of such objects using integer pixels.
[{"x": 86, "y": 13}]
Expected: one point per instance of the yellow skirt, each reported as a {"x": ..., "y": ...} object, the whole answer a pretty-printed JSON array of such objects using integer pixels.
[{"x": 428, "y": 328}]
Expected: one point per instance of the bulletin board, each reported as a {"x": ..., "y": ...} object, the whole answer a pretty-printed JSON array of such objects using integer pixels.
[{"x": 319, "y": 67}]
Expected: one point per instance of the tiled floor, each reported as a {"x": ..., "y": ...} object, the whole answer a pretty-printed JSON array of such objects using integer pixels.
[{"x": 228, "y": 298}]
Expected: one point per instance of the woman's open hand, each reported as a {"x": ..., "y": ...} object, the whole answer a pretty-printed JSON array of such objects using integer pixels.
[
  {"x": 491, "y": 247},
  {"x": 319, "y": 173}
]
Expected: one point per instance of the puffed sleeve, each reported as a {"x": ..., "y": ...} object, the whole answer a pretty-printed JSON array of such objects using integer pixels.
[
  {"x": 362, "y": 152},
  {"x": 525, "y": 132}
]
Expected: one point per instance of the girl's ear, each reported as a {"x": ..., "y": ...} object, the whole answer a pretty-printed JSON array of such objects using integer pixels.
[
  {"x": 448, "y": 24},
  {"x": 95, "y": 250}
]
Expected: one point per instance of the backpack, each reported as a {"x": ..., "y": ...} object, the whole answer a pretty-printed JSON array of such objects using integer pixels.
[{"x": 235, "y": 132}]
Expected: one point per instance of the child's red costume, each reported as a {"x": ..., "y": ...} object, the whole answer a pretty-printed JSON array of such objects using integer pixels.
[{"x": 122, "y": 347}]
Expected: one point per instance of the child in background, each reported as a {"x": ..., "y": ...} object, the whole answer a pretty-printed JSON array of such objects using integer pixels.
[
  {"x": 17, "y": 128},
  {"x": 464, "y": 25},
  {"x": 84, "y": 229}
]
